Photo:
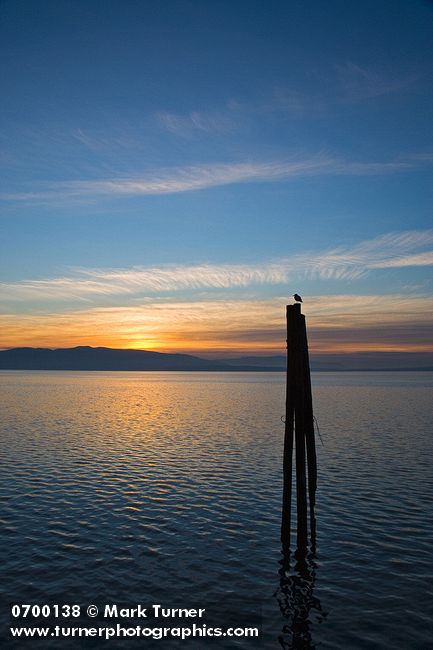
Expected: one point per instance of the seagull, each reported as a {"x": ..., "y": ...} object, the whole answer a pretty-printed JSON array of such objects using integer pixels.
[{"x": 297, "y": 298}]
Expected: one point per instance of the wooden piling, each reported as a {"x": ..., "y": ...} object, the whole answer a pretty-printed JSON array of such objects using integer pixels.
[
  {"x": 288, "y": 434},
  {"x": 299, "y": 427}
]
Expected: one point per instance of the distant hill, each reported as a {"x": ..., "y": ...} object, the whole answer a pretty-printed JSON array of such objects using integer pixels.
[
  {"x": 88, "y": 358},
  {"x": 277, "y": 362},
  {"x": 374, "y": 361},
  {"x": 348, "y": 361}
]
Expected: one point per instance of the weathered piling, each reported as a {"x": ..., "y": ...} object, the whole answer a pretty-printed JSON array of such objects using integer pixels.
[{"x": 299, "y": 429}]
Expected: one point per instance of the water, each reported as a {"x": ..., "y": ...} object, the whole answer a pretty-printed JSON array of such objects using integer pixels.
[{"x": 166, "y": 488}]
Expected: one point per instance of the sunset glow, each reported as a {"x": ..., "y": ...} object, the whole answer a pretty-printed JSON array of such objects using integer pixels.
[
  {"x": 336, "y": 324},
  {"x": 175, "y": 202}
]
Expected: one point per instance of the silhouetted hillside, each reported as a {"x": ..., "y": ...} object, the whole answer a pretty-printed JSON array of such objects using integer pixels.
[
  {"x": 347, "y": 361},
  {"x": 277, "y": 362},
  {"x": 88, "y": 358}
]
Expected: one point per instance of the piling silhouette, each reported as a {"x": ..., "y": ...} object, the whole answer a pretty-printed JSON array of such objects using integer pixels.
[{"x": 298, "y": 436}]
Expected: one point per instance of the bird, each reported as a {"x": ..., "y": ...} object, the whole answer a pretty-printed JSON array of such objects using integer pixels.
[{"x": 297, "y": 298}]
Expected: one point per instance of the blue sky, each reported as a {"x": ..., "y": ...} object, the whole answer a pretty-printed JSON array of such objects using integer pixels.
[{"x": 198, "y": 158}]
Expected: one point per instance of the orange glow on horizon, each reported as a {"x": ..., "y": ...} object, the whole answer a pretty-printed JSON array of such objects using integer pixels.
[
  {"x": 205, "y": 346},
  {"x": 336, "y": 324}
]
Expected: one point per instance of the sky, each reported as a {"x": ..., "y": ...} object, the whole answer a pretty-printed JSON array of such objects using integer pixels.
[{"x": 172, "y": 171}]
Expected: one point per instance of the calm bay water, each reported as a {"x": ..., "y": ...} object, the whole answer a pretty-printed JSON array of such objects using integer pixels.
[{"x": 166, "y": 488}]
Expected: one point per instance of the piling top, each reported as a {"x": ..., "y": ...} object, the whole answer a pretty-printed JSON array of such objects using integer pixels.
[{"x": 294, "y": 309}]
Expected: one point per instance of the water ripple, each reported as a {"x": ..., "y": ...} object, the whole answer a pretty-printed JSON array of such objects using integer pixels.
[{"x": 166, "y": 487}]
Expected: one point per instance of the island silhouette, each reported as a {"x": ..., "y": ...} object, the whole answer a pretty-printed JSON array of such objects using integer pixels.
[{"x": 84, "y": 357}]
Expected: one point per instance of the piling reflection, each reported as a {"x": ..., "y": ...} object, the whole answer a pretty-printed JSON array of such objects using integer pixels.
[{"x": 298, "y": 604}]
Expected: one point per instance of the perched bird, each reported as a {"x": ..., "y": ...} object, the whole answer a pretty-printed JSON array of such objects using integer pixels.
[{"x": 297, "y": 298}]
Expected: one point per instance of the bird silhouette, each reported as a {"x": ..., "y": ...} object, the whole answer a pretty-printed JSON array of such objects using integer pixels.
[{"x": 297, "y": 297}]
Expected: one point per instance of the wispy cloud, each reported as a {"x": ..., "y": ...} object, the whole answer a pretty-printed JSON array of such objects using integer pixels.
[
  {"x": 178, "y": 179},
  {"x": 361, "y": 83},
  {"x": 208, "y": 122},
  {"x": 418, "y": 259},
  {"x": 397, "y": 249},
  {"x": 346, "y": 83},
  {"x": 392, "y": 250},
  {"x": 84, "y": 283},
  {"x": 193, "y": 178}
]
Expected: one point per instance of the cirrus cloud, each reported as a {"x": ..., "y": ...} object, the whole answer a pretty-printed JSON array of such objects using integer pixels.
[
  {"x": 391, "y": 250},
  {"x": 200, "y": 177}
]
